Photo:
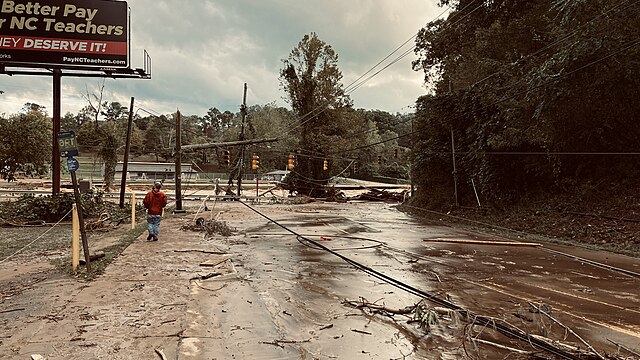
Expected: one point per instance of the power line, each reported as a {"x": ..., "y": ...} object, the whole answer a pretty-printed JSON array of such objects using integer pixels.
[
  {"x": 519, "y": 62},
  {"x": 355, "y": 85},
  {"x": 626, "y": 47}
]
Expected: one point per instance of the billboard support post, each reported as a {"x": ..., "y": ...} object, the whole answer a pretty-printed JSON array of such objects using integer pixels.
[
  {"x": 89, "y": 38},
  {"x": 55, "y": 155}
]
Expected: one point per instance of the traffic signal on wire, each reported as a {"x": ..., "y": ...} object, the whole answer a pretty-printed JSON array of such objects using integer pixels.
[
  {"x": 325, "y": 165},
  {"x": 291, "y": 162},
  {"x": 226, "y": 157},
  {"x": 255, "y": 161}
]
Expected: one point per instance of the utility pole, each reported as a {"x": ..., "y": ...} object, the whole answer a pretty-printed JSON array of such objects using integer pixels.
[
  {"x": 178, "y": 165},
  {"x": 125, "y": 161},
  {"x": 243, "y": 112}
]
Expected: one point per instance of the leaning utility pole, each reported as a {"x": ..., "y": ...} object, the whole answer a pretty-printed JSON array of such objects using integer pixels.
[
  {"x": 243, "y": 112},
  {"x": 125, "y": 162},
  {"x": 178, "y": 165}
]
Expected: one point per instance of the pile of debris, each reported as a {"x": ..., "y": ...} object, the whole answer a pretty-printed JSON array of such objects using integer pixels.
[
  {"x": 383, "y": 195},
  {"x": 211, "y": 227}
]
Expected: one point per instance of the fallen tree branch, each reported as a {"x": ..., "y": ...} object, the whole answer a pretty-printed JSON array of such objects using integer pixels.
[
  {"x": 484, "y": 242},
  {"x": 208, "y": 264},
  {"x": 624, "y": 348},
  {"x": 160, "y": 353},
  {"x": 499, "y": 346},
  {"x": 204, "y": 288},
  {"x": 202, "y": 251},
  {"x": 176, "y": 304},
  {"x": 11, "y": 310},
  {"x": 279, "y": 342},
  {"x": 205, "y": 277},
  {"x": 361, "y": 332},
  {"x": 380, "y": 308},
  {"x": 568, "y": 329}
]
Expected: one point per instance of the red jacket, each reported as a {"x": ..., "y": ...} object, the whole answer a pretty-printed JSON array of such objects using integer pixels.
[{"x": 155, "y": 201}]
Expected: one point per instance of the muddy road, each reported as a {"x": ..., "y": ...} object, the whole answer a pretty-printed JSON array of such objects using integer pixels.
[{"x": 266, "y": 292}]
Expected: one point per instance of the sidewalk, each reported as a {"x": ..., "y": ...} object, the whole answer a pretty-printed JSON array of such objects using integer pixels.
[{"x": 140, "y": 304}]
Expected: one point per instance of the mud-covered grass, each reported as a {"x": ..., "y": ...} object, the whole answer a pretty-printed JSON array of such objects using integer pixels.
[
  {"x": 44, "y": 240},
  {"x": 121, "y": 240}
]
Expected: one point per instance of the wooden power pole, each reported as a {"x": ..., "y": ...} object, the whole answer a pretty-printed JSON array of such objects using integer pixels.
[
  {"x": 178, "y": 165},
  {"x": 125, "y": 161},
  {"x": 243, "y": 112}
]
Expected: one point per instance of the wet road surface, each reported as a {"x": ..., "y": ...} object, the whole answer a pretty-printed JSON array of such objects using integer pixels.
[
  {"x": 264, "y": 293},
  {"x": 286, "y": 302}
]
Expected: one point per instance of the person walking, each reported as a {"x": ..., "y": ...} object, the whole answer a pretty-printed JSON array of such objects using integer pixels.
[{"x": 154, "y": 202}]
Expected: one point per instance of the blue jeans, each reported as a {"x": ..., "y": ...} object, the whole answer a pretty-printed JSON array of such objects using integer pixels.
[{"x": 153, "y": 224}]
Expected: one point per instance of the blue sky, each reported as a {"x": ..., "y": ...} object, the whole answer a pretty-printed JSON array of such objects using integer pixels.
[{"x": 203, "y": 52}]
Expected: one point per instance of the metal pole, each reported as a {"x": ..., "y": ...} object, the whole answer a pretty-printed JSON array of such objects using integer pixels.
[
  {"x": 125, "y": 162},
  {"x": 75, "y": 238},
  {"x": 83, "y": 233},
  {"x": 243, "y": 111},
  {"x": 178, "y": 165},
  {"x": 55, "y": 154},
  {"x": 455, "y": 176}
]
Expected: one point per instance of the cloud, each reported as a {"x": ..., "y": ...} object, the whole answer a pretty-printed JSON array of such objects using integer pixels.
[{"x": 203, "y": 51}]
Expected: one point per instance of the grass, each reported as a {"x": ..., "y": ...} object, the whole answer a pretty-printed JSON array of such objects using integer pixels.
[{"x": 111, "y": 252}]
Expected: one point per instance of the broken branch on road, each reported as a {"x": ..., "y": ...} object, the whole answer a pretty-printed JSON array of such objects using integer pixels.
[
  {"x": 279, "y": 342},
  {"x": 205, "y": 277},
  {"x": 202, "y": 251}
]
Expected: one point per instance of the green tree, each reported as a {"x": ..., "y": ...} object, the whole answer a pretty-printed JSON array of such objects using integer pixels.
[
  {"x": 311, "y": 79},
  {"x": 26, "y": 145},
  {"x": 512, "y": 78}
]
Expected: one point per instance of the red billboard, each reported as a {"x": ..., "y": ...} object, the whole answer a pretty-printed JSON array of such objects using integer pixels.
[{"x": 67, "y": 33}]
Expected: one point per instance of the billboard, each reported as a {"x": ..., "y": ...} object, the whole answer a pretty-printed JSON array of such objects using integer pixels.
[{"x": 67, "y": 33}]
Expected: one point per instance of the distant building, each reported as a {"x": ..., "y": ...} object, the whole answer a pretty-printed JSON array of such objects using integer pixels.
[
  {"x": 276, "y": 175},
  {"x": 154, "y": 171}
]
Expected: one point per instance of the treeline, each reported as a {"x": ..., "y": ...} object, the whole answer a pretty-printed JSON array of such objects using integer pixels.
[
  {"x": 536, "y": 96},
  {"x": 101, "y": 132}
]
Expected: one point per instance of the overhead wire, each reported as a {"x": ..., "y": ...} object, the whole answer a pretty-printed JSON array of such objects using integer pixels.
[
  {"x": 521, "y": 61},
  {"x": 37, "y": 238},
  {"x": 491, "y": 322},
  {"x": 355, "y": 85},
  {"x": 625, "y": 47}
]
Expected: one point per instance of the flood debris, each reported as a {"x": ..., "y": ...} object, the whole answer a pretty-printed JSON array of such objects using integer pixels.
[
  {"x": 205, "y": 277},
  {"x": 547, "y": 314},
  {"x": 484, "y": 242},
  {"x": 211, "y": 227},
  {"x": 281, "y": 342},
  {"x": 383, "y": 195},
  {"x": 361, "y": 332},
  {"x": 160, "y": 353},
  {"x": 213, "y": 262}
]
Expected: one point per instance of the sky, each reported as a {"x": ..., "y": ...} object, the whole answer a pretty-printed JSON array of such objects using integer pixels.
[{"x": 203, "y": 51}]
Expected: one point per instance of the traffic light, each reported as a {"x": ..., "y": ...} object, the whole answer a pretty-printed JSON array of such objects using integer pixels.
[
  {"x": 379, "y": 159},
  {"x": 325, "y": 165},
  {"x": 255, "y": 161},
  {"x": 226, "y": 158},
  {"x": 355, "y": 167},
  {"x": 291, "y": 162},
  {"x": 395, "y": 153}
]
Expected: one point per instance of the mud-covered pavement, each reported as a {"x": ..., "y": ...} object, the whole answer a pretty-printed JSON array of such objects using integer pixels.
[{"x": 263, "y": 293}]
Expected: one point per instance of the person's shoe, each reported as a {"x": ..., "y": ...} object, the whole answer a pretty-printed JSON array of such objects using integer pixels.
[
  {"x": 149, "y": 237},
  {"x": 155, "y": 238}
]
